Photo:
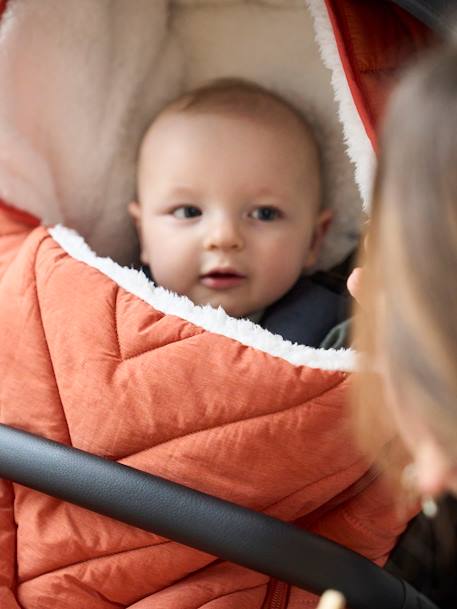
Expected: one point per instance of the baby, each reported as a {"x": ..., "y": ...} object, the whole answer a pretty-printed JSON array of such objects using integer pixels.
[{"x": 229, "y": 197}]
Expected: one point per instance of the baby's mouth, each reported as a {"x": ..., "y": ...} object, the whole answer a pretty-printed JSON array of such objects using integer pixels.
[{"x": 222, "y": 279}]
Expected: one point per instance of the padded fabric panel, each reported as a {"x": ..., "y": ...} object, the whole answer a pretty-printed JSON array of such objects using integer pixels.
[{"x": 375, "y": 39}]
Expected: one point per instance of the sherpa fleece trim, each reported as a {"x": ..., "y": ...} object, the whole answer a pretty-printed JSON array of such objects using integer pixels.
[
  {"x": 359, "y": 147},
  {"x": 214, "y": 320}
]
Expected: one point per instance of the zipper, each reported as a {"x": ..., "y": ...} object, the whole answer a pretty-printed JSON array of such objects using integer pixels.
[
  {"x": 278, "y": 591},
  {"x": 277, "y": 595}
]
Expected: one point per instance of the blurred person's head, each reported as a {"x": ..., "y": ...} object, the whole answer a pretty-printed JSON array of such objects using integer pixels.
[
  {"x": 229, "y": 194},
  {"x": 407, "y": 323}
]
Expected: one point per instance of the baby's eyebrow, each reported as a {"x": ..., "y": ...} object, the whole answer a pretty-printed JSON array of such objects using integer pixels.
[
  {"x": 181, "y": 192},
  {"x": 268, "y": 193}
]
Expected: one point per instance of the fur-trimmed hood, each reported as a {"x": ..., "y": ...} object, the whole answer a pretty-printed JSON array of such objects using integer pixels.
[{"x": 80, "y": 81}]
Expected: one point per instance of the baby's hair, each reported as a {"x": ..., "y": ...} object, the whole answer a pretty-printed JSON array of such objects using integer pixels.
[{"x": 237, "y": 96}]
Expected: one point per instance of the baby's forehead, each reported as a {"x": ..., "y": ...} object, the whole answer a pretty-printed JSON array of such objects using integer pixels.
[
  {"x": 291, "y": 132},
  {"x": 265, "y": 143},
  {"x": 282, "y": 154}
]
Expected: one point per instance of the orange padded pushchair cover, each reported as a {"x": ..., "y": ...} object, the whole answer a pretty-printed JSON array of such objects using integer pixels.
[{"x": 93, "y": 357}]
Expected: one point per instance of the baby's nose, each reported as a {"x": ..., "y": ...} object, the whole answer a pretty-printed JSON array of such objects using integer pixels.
[{"x": 224, "y": 234}]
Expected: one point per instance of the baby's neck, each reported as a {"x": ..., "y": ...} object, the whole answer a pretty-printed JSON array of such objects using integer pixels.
[{"x": 256, "y": 316}]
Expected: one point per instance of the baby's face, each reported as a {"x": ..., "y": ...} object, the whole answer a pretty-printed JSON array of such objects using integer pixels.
[{"x": 228, "y": 209}]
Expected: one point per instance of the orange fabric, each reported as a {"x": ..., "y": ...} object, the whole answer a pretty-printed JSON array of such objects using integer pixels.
[
  {"x": 374, "y": 38},
  {"x": 86, "y": 363},
  {"x": 16, "y": 226}
]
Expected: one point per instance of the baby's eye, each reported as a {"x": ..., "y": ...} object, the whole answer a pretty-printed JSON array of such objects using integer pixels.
[
  {"x": 187, "y": 211},
  {"x": 266, "y": 214}
]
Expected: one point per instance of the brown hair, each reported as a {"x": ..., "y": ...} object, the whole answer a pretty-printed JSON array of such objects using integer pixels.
[
  {"x": 408, "y": 321},
  {"x": 240, "y": 97}
]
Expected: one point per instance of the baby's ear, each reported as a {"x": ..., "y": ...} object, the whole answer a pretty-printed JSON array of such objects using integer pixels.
[
  {"x": 323, "y": 223},
  {"x": 135, "y": 213}
]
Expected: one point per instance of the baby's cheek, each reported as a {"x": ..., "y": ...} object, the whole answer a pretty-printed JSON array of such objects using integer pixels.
[
  {"x": 283, "y": 269},
  {"x": 172, "y": 273}
]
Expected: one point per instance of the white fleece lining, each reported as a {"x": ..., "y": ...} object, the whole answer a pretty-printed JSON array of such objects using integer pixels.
[
  {"x": 206, "y": 317},
  {"x": 359, "y": 147}
]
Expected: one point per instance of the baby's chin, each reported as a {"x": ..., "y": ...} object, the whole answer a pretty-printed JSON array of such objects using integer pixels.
[
  {"x": 233, "y": 309},
  {"x": 232, "y": 305}
]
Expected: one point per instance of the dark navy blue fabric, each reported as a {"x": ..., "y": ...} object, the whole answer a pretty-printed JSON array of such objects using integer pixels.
[{"x": 307, "y": 313}]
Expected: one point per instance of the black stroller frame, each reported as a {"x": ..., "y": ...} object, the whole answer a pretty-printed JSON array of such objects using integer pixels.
[{"x": 221, "y": 528}]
